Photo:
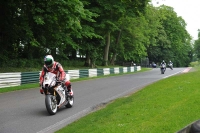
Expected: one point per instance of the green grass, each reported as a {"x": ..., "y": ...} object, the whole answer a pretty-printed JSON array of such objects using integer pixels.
[
  {"x": 36, "y": 85},
  {"x": 21, "y": 87},
  {"x": 163, "y": 107}
]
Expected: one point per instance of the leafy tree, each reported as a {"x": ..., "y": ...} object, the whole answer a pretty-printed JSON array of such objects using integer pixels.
[
  {"x": 197, "y": 46},
  {"x": 60, "y": 24},
  {"x": 172, "y": 40},
  {"x": 103, "y": 31},
  {"x": 175, "y": 28},
  {"x": 33, "y": 28},
  {"x": 134, "y": 40},
  {"x": 110, "y": 13}
]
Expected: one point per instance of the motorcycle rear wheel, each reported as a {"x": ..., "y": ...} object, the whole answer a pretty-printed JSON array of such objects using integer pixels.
[{"x": 51, "y": 105}]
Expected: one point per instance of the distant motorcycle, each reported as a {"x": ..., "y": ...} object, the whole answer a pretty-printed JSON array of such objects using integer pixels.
[
  {"x": 170, "y": 66},
  {"x": 162, "y": 68},
  {"x": 55, "y": 96}
]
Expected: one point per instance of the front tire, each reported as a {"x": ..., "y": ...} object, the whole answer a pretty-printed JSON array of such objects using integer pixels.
[
  {"x": 51, "y": 104},
  {"x": 162, "y": 71},
  {"x": 70, "y": 100}
]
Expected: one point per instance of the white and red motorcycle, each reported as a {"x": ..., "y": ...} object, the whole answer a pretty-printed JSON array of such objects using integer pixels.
[{"x": 55, "y": 94}]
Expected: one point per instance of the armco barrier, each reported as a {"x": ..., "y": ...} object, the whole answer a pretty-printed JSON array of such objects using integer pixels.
[
  {"x": 29, "y": 77},
  {"x": 10, "y": 79},
  {"x": 19, "y": 78}
]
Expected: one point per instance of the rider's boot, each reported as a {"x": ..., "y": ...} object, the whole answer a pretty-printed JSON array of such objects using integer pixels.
[{"x": 69, "y": 89}]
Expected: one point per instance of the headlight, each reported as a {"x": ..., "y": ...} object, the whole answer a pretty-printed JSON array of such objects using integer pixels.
[{"x": 46, "y": 77}]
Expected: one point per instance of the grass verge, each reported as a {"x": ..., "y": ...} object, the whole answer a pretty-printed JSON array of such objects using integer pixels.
[
  {"x": 163, "y": 107},
  {"x": 36, "y": 85}
]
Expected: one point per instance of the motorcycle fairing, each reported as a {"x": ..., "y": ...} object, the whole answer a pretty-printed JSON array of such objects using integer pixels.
[{"x": 61, "y": 93}]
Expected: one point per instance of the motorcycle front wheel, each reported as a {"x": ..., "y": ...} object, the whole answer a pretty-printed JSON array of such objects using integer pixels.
[
  {"x": 70, "y": 100},
  {"x": 162, "y": 71},
  {"x": 51, "y": 105}
]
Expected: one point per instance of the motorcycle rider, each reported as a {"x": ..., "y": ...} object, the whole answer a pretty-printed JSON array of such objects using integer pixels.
[
  {"x": 163, "y": 62},
  {"x": 170, "y": 62},
  {"x": 55, "y": 67}
]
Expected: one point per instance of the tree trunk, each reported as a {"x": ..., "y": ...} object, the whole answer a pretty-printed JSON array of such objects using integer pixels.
[
  {"x": 87, "y": 60},
  {"x": 112, "y": 62},
  {"x": 106, "y": 50},
  {"x": 73, "y": 54},
  {"x": 92, "y": 64}
]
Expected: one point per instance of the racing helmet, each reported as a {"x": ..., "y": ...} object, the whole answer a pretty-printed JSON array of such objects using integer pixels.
[{"x": 48, "y": 61}]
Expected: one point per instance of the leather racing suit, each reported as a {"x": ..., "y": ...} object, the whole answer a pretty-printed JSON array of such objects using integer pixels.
[{"x": 58, "y": 70}]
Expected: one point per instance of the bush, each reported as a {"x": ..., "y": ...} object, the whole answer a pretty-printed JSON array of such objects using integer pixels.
[
  {"x": 193, "y": 64},
  {"x": 72, "y": 63}
]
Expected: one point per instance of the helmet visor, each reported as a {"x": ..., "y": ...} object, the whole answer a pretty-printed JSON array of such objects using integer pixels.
[{"x": 48, "y": 63}]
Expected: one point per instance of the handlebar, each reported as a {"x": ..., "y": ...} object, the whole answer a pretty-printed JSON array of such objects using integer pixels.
[{"x": 59, "y": 82}]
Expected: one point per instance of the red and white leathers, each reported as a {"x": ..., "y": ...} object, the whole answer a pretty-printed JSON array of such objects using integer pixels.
[{"x": 59, "y": 71}]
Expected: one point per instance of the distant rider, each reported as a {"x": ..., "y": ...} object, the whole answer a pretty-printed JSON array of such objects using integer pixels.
[
  {"x": 163, "y": 62},
  {"x": 170, "y": 63},
  {"x": 54, "y": 67}
]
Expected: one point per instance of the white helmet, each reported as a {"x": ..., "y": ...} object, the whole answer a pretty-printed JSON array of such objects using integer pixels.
[{"x": 48, "y": 60}]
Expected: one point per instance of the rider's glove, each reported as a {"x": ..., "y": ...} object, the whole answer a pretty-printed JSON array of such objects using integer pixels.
[{"x": 41, "y": 91}]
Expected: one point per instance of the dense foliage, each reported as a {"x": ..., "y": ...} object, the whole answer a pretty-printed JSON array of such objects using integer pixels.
[
  {"x": 197, "y": 46},
  {"x": 102, "y": 32}
]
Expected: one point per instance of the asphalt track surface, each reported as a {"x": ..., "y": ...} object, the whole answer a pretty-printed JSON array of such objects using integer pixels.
[{"x": 25, "y": 112}]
